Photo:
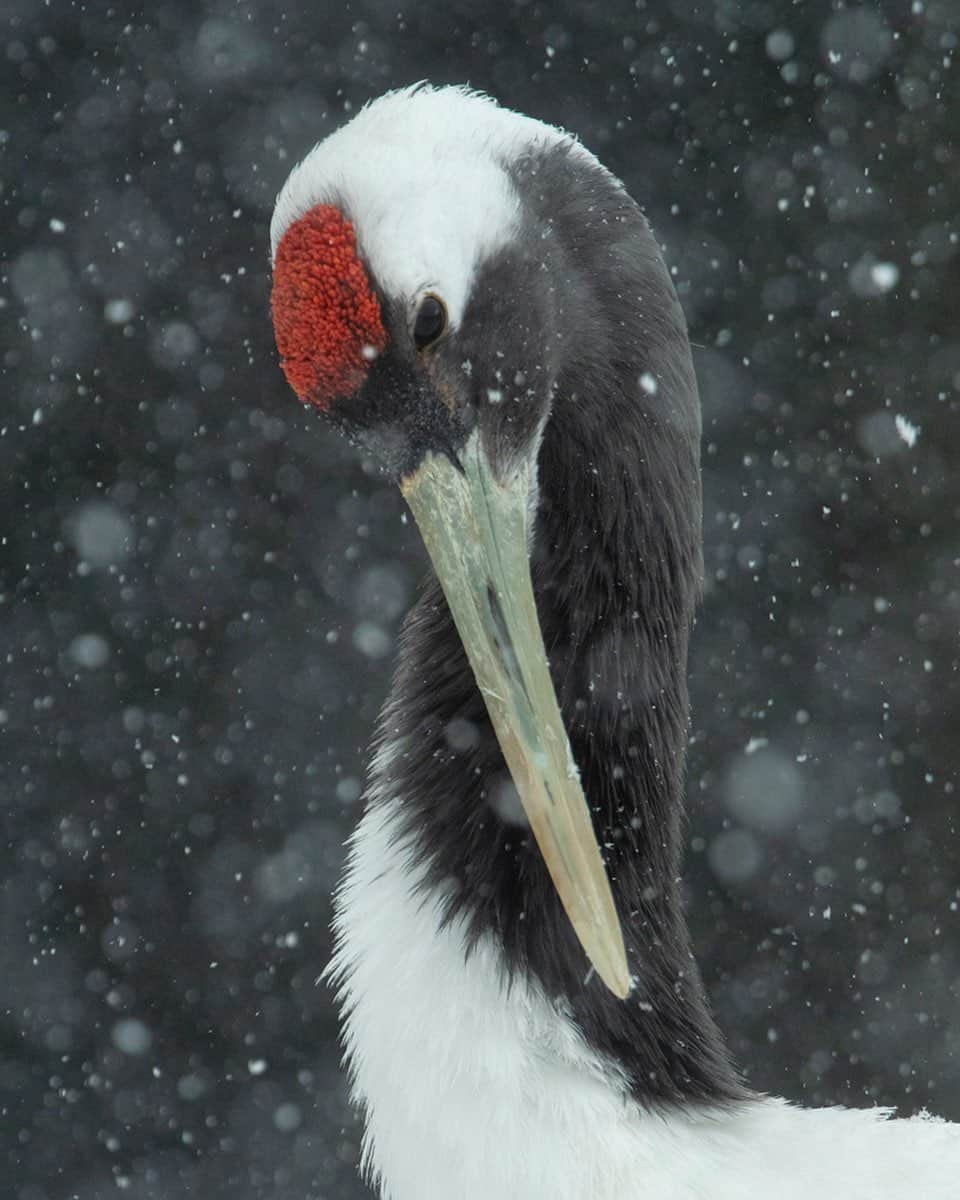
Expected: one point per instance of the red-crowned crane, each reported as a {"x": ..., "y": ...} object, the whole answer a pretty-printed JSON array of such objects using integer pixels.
[{"x": 472, "y": 297}]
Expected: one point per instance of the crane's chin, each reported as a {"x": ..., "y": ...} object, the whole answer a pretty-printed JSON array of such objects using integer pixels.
[{"x": 475, "y": 529}]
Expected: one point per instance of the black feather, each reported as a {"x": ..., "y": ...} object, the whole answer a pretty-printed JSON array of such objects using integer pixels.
[{"x": 582, "y": 306}]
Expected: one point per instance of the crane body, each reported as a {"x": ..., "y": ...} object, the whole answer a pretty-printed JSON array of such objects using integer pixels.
[{"x": 474, "y": 299}]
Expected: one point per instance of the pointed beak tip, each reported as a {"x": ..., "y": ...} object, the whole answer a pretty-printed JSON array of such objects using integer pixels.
[
  {"x": 611, "y": 963},
  {"x": 623, "y": 986}
]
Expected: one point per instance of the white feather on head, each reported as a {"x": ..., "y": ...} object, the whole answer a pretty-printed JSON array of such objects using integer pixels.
[{"x": 419, "y": 172}]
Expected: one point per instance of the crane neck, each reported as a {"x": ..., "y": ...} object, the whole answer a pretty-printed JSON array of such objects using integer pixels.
[
  {"x": 616, "y": 584},
  {"x": 617, "y": 567}
]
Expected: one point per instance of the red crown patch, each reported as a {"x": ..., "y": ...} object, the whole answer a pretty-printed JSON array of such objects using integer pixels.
[{"x": 326, "y": 317}]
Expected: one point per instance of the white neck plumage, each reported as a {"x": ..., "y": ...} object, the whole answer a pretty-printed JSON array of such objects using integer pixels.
[{"x": 476, "y": 1090}]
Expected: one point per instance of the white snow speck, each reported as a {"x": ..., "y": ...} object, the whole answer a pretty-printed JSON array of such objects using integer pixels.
[
  {"x": 649, "y": 383},
  {"x": 100, "y": 533},
  {"x": 461, "y": 735},
  {"x": 764, "y": 791},
  {"x": 505, "y": 801},
  {"x": 56, "y": 225},
  {"x": 372, "y": 639},
  {"x": 907, "y": 430},
  {"x": 884, "y": 275},
  {"x": 131, "y": 1036},
  {"x": 89, "y": 650},
  {"x": 755, "y": 744},
  {"x": 287, "y": 1117},
  {"x": 118, "y": 312},
  {"x": 257, "y": 1066},
  {"x": 780, "y": 45},
  {"x": 735, "y": 855},
  {"x": 871, "y": 277}
]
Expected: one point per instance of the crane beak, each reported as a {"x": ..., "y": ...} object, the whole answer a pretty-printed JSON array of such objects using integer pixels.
[{"x": 475, "y": 529}]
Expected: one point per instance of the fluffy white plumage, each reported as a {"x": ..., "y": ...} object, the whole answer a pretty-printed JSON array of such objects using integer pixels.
[
  {"x": 478, "y": 1091},
  {"x": 427, "y": 204}
]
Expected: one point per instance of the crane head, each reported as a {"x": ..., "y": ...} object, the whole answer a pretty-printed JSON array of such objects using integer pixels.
[{"x": 419, "y": 303}]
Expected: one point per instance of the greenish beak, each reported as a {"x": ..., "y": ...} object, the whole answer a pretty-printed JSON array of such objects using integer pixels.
[{"x": 475, "y": 529}]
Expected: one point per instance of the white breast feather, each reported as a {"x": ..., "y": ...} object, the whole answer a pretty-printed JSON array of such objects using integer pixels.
[{"x": 473, "y": 1090}]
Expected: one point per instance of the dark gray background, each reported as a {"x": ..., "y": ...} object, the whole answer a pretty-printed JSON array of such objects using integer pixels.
[{"x": 201, "y": 586}]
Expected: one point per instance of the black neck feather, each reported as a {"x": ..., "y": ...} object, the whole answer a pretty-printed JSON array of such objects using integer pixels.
[{"x": 617, "y": 570}]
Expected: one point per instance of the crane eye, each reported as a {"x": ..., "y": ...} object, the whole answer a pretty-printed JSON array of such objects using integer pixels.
[{"x": 430, "y": 322}]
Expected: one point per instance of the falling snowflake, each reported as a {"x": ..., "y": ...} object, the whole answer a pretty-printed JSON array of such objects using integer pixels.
[{"x": 907, "y": 430}]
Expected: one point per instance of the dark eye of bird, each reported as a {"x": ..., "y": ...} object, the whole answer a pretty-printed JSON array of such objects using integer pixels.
[{"x": 430, "y": 323}]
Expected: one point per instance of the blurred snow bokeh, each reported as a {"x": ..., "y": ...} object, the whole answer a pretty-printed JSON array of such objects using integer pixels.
[{"x": 202, "y": 587}]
